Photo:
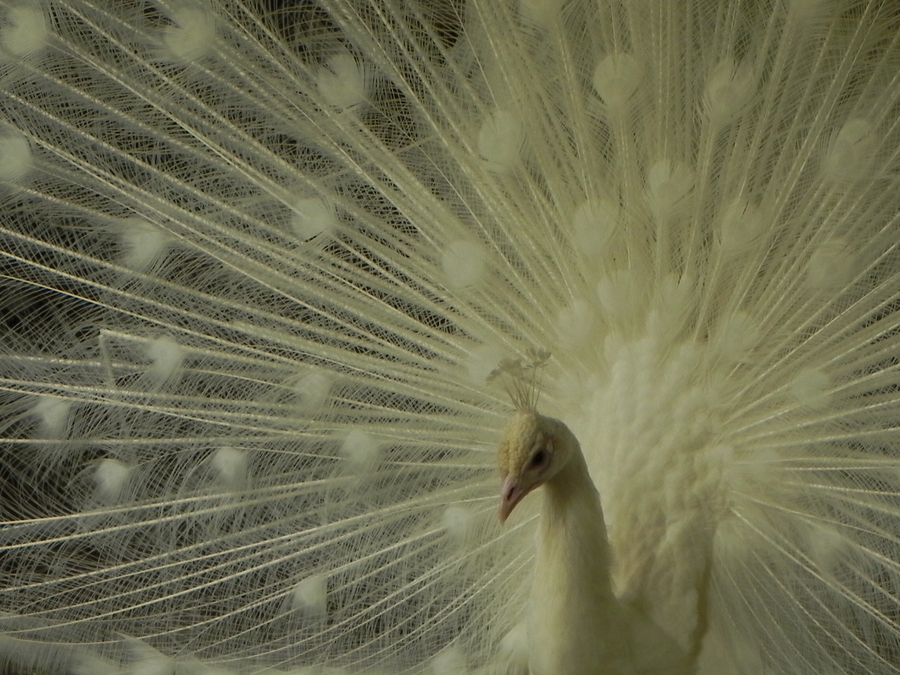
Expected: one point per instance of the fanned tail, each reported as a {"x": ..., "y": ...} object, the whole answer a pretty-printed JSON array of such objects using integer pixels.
[{"x": 259, "y": 261}]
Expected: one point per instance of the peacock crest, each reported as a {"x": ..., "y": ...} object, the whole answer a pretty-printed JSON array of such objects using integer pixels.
[{"x": 522, "y": 378}]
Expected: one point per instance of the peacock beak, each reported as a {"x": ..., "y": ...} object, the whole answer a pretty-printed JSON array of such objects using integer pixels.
[{"x": 511, "y": 493}]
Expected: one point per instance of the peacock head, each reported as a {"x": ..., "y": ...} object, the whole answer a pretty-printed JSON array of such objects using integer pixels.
[{"x": 532, "y": 450}]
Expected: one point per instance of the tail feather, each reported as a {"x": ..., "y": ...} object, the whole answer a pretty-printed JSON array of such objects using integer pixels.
[{"x": 259, "y": 261}]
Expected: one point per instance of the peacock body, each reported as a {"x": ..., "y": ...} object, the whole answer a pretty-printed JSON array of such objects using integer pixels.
[{"x": 260, "y": 258}]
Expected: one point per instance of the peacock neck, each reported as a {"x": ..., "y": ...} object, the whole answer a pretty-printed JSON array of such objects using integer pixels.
[
  {"x": 573, "y": 531},
  {"x": 577, "y": 626},
  {"x": 575, "y": 622}
]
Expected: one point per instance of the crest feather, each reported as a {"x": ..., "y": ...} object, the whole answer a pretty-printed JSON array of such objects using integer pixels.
[{"x": 522, "y": 378}]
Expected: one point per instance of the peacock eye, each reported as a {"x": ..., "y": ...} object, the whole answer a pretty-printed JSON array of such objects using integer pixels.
[{"x": 539, "y": 459}]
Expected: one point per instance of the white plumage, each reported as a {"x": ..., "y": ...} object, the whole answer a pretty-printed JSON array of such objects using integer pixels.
[
  {"x": 259, "y": 259},
  {"x": 576, "y": 624}
]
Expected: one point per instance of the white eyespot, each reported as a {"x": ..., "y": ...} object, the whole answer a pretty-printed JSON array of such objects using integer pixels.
[
  {"x": 16, "y": 158},
  {"x": 53, "y": 414},
  {"x": 310, "y": 597},
  {"x": 312, "y": 216},
  {"x": 361, "y": 450},
  {"x": 500, "y": 140},
  {"x": 343, "y": 82},
  {"x": 314, "y": 388},
  {"x": 167, "y": 356},
  {"x": 143, "y": 243},
  {"x": 110, "y": 478},
  {"x": 616, "y": 78},
  {"x": 729, "y": 89},
  {"x": 229, "y": 465},
  {"x": 192, "y": 36},
  {"x": 852, "y": 151},
  {"x": 25, "y": 32}
]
